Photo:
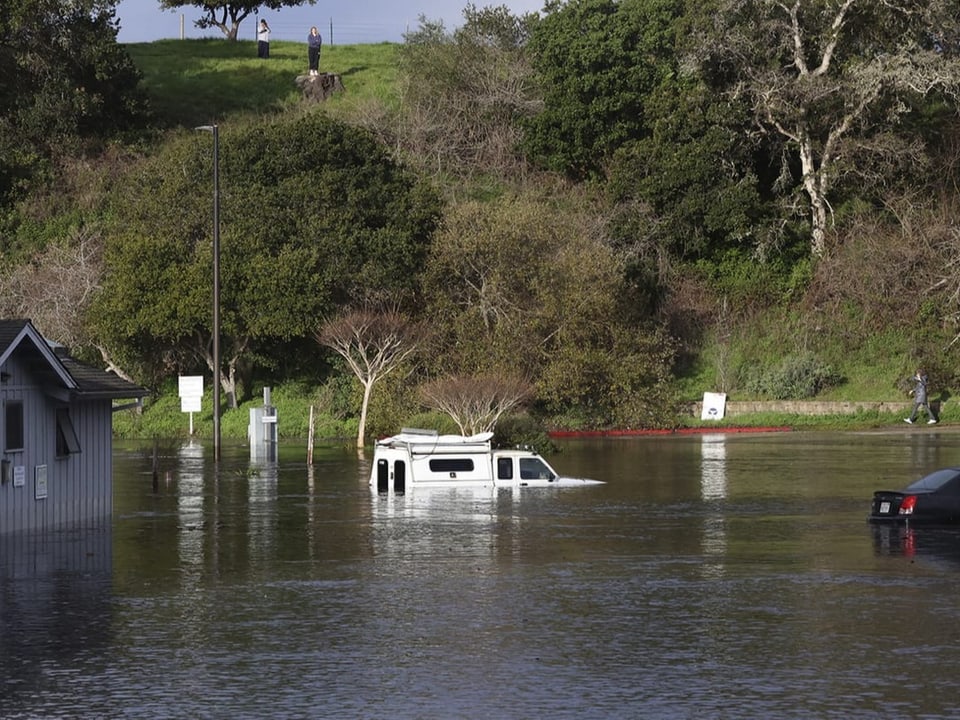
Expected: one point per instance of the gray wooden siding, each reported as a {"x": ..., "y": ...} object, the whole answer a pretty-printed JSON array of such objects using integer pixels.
[{"x": 79, "y": 486}]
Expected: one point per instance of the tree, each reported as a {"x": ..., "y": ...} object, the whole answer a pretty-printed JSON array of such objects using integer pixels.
[
  {"x": 227, "y": 16},
  {"x": 475, "y": 402},
  {"x": 65, "y": 86},
  {"x": 596, "y": 61},
  {"x": 464, "y": 93},
  {"x": 55, "y": 288},
  {"x": 373, "y": 344},
  {"x": 832, "y": 78},
  {"x": 314, "y": 215},
  {"x": 690, "y": 190},
  {"x": 521, "y": 287}
]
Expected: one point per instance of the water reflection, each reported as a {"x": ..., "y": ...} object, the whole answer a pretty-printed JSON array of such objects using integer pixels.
[
  {"x": 713, "y": 476},
  {"x": 54, "y": 607},
  {"x": 938, "y": 546},
  {"x": 262, "y": 504},
  {"x": 713, "y": 489},
  {"x": 425, "y": 522}
]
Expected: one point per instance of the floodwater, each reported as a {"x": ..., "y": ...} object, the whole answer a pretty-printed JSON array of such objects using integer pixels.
[{"x": 722, "y": 576}]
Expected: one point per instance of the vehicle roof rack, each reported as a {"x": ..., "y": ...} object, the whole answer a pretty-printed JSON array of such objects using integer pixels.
[{"x": 418, "y": 431}]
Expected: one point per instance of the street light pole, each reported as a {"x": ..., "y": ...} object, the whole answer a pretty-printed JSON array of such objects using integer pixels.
[{"x": 216, "y": 288}]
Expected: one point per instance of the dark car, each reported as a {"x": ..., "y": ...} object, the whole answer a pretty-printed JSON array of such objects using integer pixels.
[{"x": 934, "y": 498}]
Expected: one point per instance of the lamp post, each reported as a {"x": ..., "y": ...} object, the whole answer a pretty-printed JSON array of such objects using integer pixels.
[{"x": 216, "y": 288}]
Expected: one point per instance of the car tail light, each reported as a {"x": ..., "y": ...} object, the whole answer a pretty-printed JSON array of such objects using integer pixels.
[{"x": 906, "y": 507}]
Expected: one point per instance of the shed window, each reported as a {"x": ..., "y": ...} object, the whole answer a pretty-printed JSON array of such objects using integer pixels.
[
  {"x": 67, "y": 441},
  {"x": 13, "y": 424}
]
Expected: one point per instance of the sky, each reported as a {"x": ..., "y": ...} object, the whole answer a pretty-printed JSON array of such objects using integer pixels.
[{"x": 353, "y": 21}]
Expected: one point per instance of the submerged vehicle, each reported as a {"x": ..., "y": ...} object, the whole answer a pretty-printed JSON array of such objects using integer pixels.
[
  {"x": 423, "y": 458},
  {"x": 934, "y": 498}
]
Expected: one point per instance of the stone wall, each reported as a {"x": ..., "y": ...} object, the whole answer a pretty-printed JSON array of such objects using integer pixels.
[{"x": 808, "y": 407}]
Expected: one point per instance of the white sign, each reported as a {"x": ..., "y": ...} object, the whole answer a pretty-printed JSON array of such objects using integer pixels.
[
  {"x": 191, "y": 392},
  {"x": 19, "y": 475},
  {"x": 191, "y": 386},
  {"x": 40, "y": 482},
  {"x": 714, "y": 405}
]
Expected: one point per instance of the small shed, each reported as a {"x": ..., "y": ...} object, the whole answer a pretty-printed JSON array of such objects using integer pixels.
[{"x": 56, "y": 427}]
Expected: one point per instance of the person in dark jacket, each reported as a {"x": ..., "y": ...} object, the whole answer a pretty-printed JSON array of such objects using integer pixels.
[
  {"x": 314, "y": 42},
  {"x": 920, "y": 400}
]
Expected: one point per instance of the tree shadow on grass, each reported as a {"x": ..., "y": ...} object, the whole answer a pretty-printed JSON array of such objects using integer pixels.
[{"x": 211, "y": 79}]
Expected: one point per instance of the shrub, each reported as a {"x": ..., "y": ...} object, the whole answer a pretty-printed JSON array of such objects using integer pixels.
[
  {"x": 523, "y": 429},
  {"x": 797, "y": 377}
]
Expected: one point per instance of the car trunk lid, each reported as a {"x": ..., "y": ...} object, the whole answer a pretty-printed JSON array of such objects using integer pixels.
[
  {"x": 886, "y": 503},
  {"x": 890, "y": 503}
]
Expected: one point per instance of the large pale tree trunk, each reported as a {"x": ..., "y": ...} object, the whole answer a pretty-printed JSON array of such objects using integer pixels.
[
  {"x": 815, "y": 184},
  {"x": 362, "y": 429}
]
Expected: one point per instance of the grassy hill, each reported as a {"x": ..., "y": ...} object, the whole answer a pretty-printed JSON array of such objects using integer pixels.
[{"x": 196, "y": 82}]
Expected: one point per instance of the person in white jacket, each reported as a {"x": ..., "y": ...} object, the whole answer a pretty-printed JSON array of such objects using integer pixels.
[{"x": 263, "y": 40}]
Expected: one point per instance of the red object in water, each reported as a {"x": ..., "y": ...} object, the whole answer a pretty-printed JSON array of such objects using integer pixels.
[{"x": 666, "y": 431}]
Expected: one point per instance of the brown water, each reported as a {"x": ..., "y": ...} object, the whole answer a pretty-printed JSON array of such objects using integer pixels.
[{"x": 717, "y": 577}]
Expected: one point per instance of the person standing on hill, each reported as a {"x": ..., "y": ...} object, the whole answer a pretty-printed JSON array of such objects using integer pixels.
[
  {"x": 314, "y": 43},
  {"x": 263, "y": 40},
  {"x": 919, "y": 393}
]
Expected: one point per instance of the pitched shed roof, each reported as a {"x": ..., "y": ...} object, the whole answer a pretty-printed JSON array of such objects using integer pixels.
[{"x": 58, "y": 368}]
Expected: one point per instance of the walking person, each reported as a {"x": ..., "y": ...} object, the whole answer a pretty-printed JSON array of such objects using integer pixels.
[
  {"x": 263, "y": 40},
  {"x": 314, "y": 43},
  {"x": 920, "y": 400}
]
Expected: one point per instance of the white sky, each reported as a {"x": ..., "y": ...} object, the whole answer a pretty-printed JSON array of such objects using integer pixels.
[{"x": 354, "y": 21}]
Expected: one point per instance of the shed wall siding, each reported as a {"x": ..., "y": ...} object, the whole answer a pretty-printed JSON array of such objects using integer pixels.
[{"x": 78, "y": 485}]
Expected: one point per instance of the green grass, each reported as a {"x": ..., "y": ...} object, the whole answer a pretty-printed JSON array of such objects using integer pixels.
[
  {"x": 163, "y": 418},
  {"x": 873, "y": 370},
  {"x": 197, "y": 82}
]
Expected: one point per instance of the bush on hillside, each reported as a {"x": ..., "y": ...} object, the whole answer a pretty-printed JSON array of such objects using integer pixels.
[{"x": 796, "y": 378}]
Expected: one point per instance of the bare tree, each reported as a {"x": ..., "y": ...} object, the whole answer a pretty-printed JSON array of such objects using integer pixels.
[
  {"x": 54, "y": 289},
  {"x": 476, "y": 402},
  {"x": 227, "y": 15},
  {"x": 373, "y": 344},
  {"x": 462, "y": 92}
]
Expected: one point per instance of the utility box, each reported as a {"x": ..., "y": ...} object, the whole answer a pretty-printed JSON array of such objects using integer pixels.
[{"x": 262, "y": 430}]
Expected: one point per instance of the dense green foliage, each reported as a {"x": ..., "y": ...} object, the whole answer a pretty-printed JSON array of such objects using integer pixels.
[
  {"x": 691, "y": 187},
  {"x": 596, "y": 62},
  {"x": 314, "y": 216},
  {"x": 65, "y": 86},
  {"x": 517, "y": 287},
  {"x": 837, "y": 83},
  {"x": 662, "y": 248}
]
